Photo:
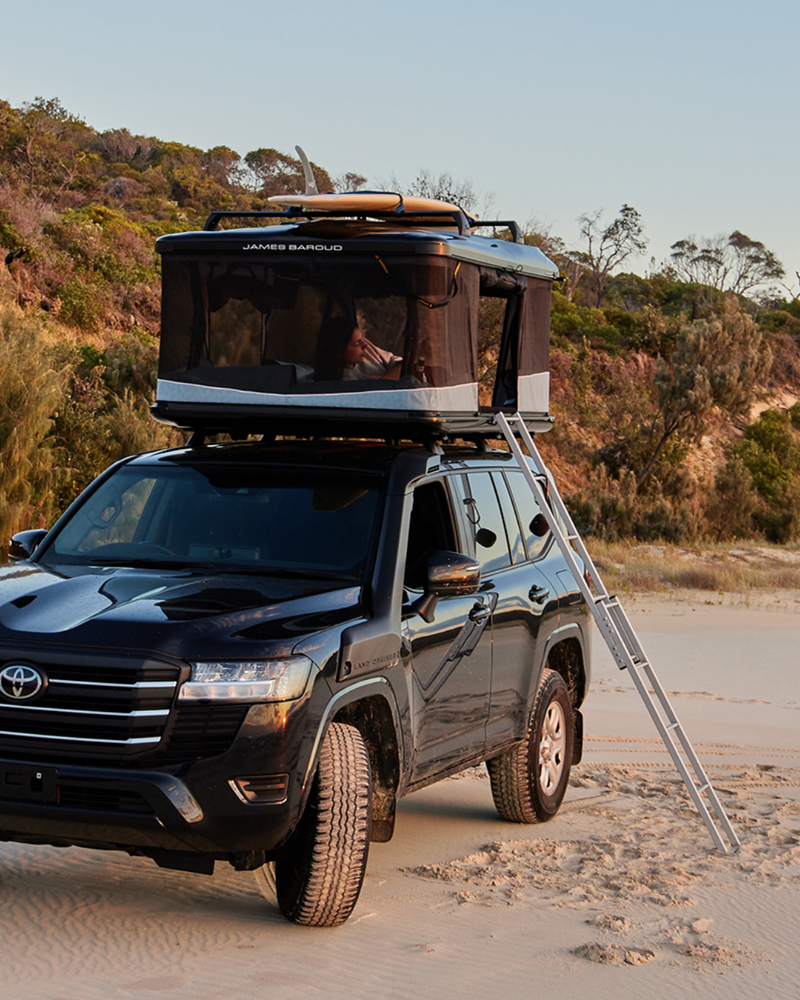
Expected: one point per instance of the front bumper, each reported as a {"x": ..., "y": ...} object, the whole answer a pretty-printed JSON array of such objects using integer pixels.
[{"x": 194, "y": 806}]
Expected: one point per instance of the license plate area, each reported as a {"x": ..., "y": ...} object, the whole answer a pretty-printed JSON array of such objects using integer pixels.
[{"x": 28, "y": 783}]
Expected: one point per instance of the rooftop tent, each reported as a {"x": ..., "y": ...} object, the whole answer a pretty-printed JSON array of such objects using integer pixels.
[
  {"x": 346, "y": 320},
  {"x": 399, "y": 332}
]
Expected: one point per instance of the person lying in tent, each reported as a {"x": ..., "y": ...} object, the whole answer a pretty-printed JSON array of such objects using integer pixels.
[{"x": 345, "y": 354}]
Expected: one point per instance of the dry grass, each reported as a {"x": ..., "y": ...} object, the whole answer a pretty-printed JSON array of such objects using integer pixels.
[{"x": 731, "y": 569}]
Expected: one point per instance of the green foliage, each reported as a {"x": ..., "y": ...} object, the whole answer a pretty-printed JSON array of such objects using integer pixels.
[
  {"x": 10, "y": 238},
  {"x": 733, "y": 502},
  {"x": 781, "y": 320},
  {"x": 570, "y": 322},
  {"x": 635, "y": 381},
  {"x": 30, "y": 391},
  {"x": 770, "y": 453},
  {"x": 715, "y": 363},
  {"x": 793, "y": 308},
  {"x": 612, "y": 509},
  {"x": 84, "y": 304}
]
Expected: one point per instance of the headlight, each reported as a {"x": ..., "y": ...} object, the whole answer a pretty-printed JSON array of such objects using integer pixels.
[{"x": 248, "y": 680}]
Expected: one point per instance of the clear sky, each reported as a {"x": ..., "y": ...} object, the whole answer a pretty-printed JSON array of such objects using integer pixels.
[{"x": 686, "y": 109}]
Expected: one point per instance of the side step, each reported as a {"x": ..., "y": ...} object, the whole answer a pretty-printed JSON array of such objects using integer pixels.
[{"x": 618, "y": 633}]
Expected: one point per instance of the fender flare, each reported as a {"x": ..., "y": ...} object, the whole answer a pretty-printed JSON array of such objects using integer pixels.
[{"x": 352, "y": 693}]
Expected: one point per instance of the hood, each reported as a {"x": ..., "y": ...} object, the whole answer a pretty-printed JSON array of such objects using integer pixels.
[{"x": 173, "y": 610}]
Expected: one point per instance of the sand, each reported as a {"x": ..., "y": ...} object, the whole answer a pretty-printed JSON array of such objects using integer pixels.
[{"x": 621, "y": 895}]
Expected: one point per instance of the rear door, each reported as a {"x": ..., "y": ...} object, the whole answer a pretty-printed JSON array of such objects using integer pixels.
[{"x": 502, "y": 504}]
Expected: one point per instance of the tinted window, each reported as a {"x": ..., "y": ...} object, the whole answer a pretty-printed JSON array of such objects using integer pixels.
[
  {"x": 258, "y": 519},
  {"x": 527, "y": 508},
  {"x": 430, "y": 530},
  {"x": 483, "y": 511},
  {"x": 510, "y": 518}
]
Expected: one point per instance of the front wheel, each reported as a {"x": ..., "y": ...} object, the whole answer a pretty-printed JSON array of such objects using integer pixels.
[
  {"x": 319, "y": 875},
  {"x": 529, "y": 781}
]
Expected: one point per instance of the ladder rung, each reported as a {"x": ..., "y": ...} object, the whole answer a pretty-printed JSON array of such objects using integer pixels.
[
  {"x": 703, "y": 788},
  {"x": 673, "y": 725}
]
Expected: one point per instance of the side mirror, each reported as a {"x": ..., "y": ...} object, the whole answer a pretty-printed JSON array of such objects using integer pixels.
[
  {"x": 450, "y": 574},
  {"x": 24, "y": 543}
]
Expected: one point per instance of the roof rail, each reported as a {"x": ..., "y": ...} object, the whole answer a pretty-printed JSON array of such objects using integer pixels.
[{"x": 513, "y": 227}]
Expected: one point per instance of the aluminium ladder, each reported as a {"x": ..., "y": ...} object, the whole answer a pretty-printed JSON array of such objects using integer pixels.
[{"x": 618, "y": 633}]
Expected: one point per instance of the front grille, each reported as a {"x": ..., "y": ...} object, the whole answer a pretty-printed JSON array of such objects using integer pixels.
[
  {"x": 108, "y": 707},
  {"x": 114, "y": 709}
]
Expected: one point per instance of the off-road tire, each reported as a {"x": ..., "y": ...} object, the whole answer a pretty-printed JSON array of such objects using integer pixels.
[
  {"x": 529, "y": 781},
  {"x": 319, "y": 875}
]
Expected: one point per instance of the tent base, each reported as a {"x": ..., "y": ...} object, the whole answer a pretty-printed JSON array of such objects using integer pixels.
[{"x": 413, "y": 425}]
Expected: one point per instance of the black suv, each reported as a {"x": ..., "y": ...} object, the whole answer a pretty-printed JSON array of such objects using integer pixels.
[{"x": 250, "y": 651}]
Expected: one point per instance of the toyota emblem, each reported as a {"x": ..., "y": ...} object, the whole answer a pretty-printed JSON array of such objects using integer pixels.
[{"x": 20, "y": 682}]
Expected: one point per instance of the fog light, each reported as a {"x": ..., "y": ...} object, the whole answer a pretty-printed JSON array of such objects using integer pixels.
[{"x": 261, "y": 789}]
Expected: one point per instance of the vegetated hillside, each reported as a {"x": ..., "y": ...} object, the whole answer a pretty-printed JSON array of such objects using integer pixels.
[
  {"x": 677, "y": 413},
  {"x": 674, "y": 401}
]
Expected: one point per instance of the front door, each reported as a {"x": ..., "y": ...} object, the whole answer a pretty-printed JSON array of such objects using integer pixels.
[{"x": 451, "y": 657}]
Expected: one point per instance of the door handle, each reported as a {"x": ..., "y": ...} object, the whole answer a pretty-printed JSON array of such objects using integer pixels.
[
  {"x": 538, "y": 594},
  {"x": 479, "y": 614}
]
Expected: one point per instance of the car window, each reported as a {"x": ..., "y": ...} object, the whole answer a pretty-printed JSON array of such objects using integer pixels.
[
  {"x": 513, "y": 532},
  {"x": 527, "y": 508},
  {"x": 483, "y": 512},
  {"x": 430, "y": 530},
  {"x": 245, "y": 517}
]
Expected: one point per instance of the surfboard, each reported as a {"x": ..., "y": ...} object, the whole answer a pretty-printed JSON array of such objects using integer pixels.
[{"x": 354, "y": 201}]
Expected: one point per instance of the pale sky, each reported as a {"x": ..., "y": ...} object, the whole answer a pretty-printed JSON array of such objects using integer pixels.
[{"x": 687, "y": 109}]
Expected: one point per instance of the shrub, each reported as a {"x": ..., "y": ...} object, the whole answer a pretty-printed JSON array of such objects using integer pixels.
[{"x": 31, "y": 390}]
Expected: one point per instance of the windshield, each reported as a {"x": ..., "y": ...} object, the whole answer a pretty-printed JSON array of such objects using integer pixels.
[
  {"x": 244, "y": 519},
  {"x": 302, "y": 324}
]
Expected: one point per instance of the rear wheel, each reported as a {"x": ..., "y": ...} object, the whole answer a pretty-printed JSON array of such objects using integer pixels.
[
  {"x": 319, "y": 875},
  {"x": 529, "y": 781}
]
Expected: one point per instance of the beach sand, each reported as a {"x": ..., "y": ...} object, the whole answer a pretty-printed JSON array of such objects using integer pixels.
[{"x": 621, "y": 895}]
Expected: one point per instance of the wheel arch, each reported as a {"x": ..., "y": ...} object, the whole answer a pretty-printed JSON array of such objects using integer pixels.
[
  {"x": 372, "y": 716},
  {"x": 564, "y": 653},
  {"x": 369, "y": 706}
]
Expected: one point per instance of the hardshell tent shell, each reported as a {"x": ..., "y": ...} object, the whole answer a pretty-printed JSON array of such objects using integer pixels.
[{"x": 348, "y": 322}]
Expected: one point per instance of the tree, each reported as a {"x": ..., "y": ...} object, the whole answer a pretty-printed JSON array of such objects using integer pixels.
[
  {"x": 273, "y": 172},
  {"x": 444, "y": 187},
  {"x": 49, "y": 145},
  {"x": 348, "y": 181},
  {"x": 715, "y": 363},
  {"x": 732, "y": 263},
  {"x": 223, "y": 164},
  {"x": 608, "y": 248}
]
